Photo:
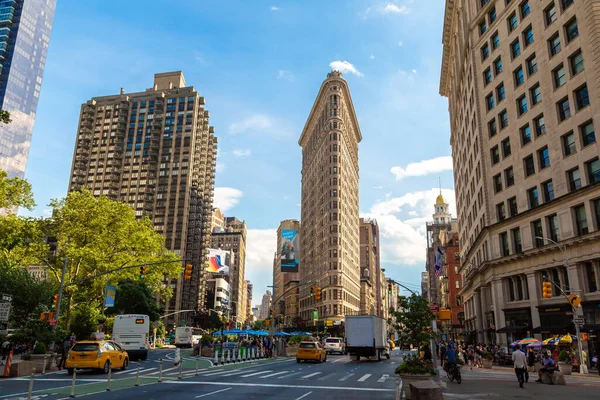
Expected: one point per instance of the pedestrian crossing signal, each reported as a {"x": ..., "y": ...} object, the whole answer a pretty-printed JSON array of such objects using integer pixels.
[
  {"x": 547, "y": 290},
  {"x": 188, "y": 272}
]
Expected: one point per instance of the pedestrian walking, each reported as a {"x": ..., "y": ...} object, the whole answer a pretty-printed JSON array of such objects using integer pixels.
[{"x": 520, "y": 363}]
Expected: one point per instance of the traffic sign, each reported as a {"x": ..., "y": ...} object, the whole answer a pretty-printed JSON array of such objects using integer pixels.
[
  {"x": 434, "y": 308},
  {"x": 4, "y": 311},
  {"x": 6, "y": 297},
  {"x": 53, "y": 322},
  {"x": 578, "y": 320}
]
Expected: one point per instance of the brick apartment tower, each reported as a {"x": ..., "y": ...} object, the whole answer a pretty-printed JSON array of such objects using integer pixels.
[
  {"x": 155, "y": 151},
  {"x": 330, "y": 215}
]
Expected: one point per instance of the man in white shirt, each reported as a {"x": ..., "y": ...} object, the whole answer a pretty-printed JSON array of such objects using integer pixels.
[{"x": 520, "y": 363}]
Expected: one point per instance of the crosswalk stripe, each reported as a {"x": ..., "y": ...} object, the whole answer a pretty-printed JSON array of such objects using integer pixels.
[
  {"x": 290, "y": 375},
  {"x": 275, "y": 374},
  {"x": 310, "y": 375},
  {"x": 164, "y": 370},
  {"x": 364, "y": 377},
  {"x": 142, "y": 371},
  {"x": 215, "y": 373},
  {"x": 240, "y": 372},
  {"x": 256, "y": 373},
  {"x": 383, "y": 378},
  {"x": 346, "y": 377}
]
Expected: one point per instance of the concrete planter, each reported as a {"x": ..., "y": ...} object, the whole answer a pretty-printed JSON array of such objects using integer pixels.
[
  {"x": 39, "y": 359},
  {"x": 291, "y": 351},
  {"x": 22, "y": 368},
  {"x": 487, "y": 363},
  {"x": 565, "y": 368},
  {"x": 406, "y": 380}
]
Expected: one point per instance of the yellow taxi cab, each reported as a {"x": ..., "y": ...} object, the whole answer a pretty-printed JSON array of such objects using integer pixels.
[
  {"x": 311, "y": 351},
  {"x": 97, "y": 354}
]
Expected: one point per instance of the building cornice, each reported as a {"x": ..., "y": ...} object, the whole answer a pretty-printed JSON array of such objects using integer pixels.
[{"x": 447, "y": 46}]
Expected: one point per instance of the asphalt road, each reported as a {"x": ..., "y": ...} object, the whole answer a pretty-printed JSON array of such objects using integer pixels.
[{"x": 283, "y": 378}]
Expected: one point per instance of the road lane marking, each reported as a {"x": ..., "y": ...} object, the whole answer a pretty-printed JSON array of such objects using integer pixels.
[
  {"x": 218, "y": 373},
  {"x": 346, "y": 377},
  {"x": 256, "y": 373},
  {"x": 275, "y": 374},
  {"x": 240, "y": 372},
  {"x": 364, "y": 377},
  {"x": 274, "y": 385},
  {"x": 215, "y": 392},
  {"x": 310, "y": 375},
  {"x": 287, "y": 376},
  {"x": 142, "y": 371},
  {"x": 163, "y": 371},
  {"x": 383, "y": 378},
  {"x": 303, "y": 396}
]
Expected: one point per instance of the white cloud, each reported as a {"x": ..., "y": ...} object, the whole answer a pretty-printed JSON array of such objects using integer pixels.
[
  {"x": 423, "y": 168},
  {"x": 394, "y": 9},
  {"x": 400, "y": 44},
  {"x": 274, "y": 8},
  {"x": 257, "y": 122},
  {"x": 414, "y": 71},
  {"x": 344, "y": 67},
  {"x": 226, "y": 198},
  {"x": 220, "y": 166},
  {"x": 286, "y": 75},
  {"x": 241, "y": 152},
  {"x": 261, "y": 245},
  {"x": 372, "y": 57},
  {"x": 402, "y": 225}
]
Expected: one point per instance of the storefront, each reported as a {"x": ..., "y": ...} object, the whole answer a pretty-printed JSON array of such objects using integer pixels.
[
  {"x": 591, "y": 313},
  {"x": 555, "y": 320},
  {"x": 518, "y": 324}
]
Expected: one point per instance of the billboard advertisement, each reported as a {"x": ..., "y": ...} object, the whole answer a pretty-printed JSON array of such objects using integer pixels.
[
  {"x": 219, "y": 261},
  {"x": 289, "y": 251}
]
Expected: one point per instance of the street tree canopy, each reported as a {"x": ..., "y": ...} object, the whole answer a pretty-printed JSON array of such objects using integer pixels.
[
  {"x": 97, "y": 235},
  {"x": 135, "y": 297},
  {"x": 413, "y": 319},
  {"x": 15, "y": 192}
]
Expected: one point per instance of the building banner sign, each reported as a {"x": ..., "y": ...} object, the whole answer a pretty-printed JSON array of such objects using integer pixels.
[
  {"x": 111, "y": 292},
  {"x": 219, "y": 261},
  {"x": 289, "y": 251}
]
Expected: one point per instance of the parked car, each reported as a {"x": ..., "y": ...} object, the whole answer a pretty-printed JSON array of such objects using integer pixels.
[
  {"x": 98, "y": 355},
  {"x": 335, "y": 345},
  {"x": 312, "y": 351}
]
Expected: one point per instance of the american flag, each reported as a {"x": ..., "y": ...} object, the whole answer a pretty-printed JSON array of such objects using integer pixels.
[{"x": 439, "y": 261}]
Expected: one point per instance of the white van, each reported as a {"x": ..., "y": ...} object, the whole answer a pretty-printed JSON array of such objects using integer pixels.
[{"x": 132, "y": 332}]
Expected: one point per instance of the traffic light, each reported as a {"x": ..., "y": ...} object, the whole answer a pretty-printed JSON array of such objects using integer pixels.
[
  {"x": 318, "y": 293},
  {"x": 312, "y": 291},
  {"x": 574, "y": 300},
  {"x": 142, "y": 272},
  {"x": 389, "y": 288},
  {"x": 547, "y": 290},
  {"x": 188, "y": 272},
  {"x": 54, "y": 301},
  {"x": 271, "y": 312}
]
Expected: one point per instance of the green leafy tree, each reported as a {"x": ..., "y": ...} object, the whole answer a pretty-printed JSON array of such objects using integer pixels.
[
  {"x": 258, "y": 325},
  {"x": 413, "y": 319},
  {"x": 135, "y": 297},
  {"x": 5, "y": 117},
  {"x": 30, "y": 296},
  {"x": 85, "y": 320},
  {"x": 97, "y": 235},
  {"x": 15, "y": 192}
]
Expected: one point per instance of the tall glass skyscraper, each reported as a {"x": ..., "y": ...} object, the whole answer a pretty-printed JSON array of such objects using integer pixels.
[{"x": 25, "y": 27}]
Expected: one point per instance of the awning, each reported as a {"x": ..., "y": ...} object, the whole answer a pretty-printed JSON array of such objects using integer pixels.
[
  {"x": 590, "y": 328},
  {"x": 553, "y": 329},
  {"x": 516, "y": 328}
]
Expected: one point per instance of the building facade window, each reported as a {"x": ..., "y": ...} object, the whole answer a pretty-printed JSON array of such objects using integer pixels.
[
  {"x": 512, "y": 22},
  {"x": 485, "y": 52},
  {"x": 593, "y": 170},
  {"x": 574, "y": 179},
  {"x": 596, "y": 206},
  {"x": 522, "y": 105},
  {"x": 500, "y": 212},
  {"x": 509, "y": 176},
  {"x": 503, "y": 119},
  {"x": 495, "y": 41},
  {"x": 492, "y": 129},
  {"x": 533, "y": 196},
  {"x": 560, "y": 78},
  {"x": 550, "y": 14},
  {"x": 571, "y": 30},
  {"x": 504, "y": 249},
  {"x": 540, "y": 125},
  {"x": 532, "y": 65},
  {"x": 498, "y": 66},
  {"x": 591, "y": 276},
  {"x": 548, "y": 188},
  {"x": 554, "y": 45},
  {"x": 536, "y": 95},
  {"x": 487, "y": 76},
  {"x": 525, "y": 135},
  {"x": 538, "y": 233},
  {"x": 581, "y": 225},
  {"x": 482, "y": 27},
  {"x": 512, "y": 206},
  {"x": 495, "y": 155},
  {"x": 588, "y": 136},
  {"x": 506, "y": 148},
  {"x": 529, "y": 166},
  {"x": 552, "y": 222},
  {"x": 497, "y": 183},
  {"x": 528, "y": 36},
  {"x": 566, "y": 4},
  {"x": 519, "y": 76},
  {"x": 516, "y": 237},
  {"x": 582, "y": 97},
  {"x": 544, "y": 157},
  {"x": 568, "y": 142},
  {"x": 525, "y": 9},
  {"x": 515, "y": 48},
  {"x": 489, "y": 102},
  {"x": 576, "y": 61},
  {"x": 564, "y": 109},
  {"x": 500, "y": 92}
]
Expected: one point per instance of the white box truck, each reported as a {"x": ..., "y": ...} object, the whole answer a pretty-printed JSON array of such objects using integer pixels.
[{"x": 366, "y": 336}]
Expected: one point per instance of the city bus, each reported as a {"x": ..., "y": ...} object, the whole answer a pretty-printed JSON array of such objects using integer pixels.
[
  {"x": 186, "y": 336},
  {"x": 132, "y": 332}
]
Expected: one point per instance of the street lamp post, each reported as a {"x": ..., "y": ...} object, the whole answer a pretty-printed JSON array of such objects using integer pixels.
[{"x": 582, "y": 365}]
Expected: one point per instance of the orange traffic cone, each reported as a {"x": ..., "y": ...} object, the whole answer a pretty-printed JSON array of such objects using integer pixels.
[{"x": 8, "y": 362}]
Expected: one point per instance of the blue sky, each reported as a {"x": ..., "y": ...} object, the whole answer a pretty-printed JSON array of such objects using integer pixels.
[{"x": 259, "y": 65}]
